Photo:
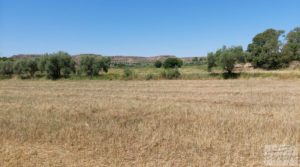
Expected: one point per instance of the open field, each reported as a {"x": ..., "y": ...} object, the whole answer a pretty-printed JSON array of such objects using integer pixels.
[{"x": 146, "y": 123}]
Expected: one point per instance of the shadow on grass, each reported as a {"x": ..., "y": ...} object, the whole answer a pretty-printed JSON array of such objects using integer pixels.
[
  {"x": 231, "y": 75},
  {"x": 225, "y": 75}
]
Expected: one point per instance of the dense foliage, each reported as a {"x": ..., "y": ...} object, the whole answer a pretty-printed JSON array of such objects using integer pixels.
[
  {"x": 26, "y": 67},
  {"x": 267, "y": 51},
  {"x": 59, "y": 65},
  {"x": 6, "y": 68},
  {"x": 158, "y": 64},
  {"x": 172, "y": 63},
  {"x": 226, "y": 58},
  {"x": 53, "y": 66},
  {"x": 171, "y": 73},
  {"x": 92, "y": 65}
]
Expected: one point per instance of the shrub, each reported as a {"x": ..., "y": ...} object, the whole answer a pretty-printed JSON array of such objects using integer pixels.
[
  {"x": 128, "y": 73},
  {"x": 171, "y": 73},
  {"x": 149, "y": 76},
  {"x": 158, "y": 64},
  {"x": 6, "y": 68},
  {"x": 173, "y": 63},
  {"x": 42, "y": 61}
]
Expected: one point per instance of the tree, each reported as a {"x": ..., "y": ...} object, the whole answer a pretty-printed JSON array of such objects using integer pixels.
[
  {"x": 292, "y": 47},
  {"x": 265, "y": 49},
  {"x": 59, "y": 65},
  {"x": 158, "y": 64},
  {"x": 91, "y": 65},
  {"x": 227, "y": 61},
  {"x": 26, "y": 66},
  {"x": 173, "y": 63},
  {"x": 226, "y": 58},
  {"x": 42, "y": 61},
  {"x": 211, "y": 61},
  {"x": 6, "y": 68}
]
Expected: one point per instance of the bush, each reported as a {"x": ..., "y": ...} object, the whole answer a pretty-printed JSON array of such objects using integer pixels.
[
  {"x": 173, "y": 63},
  {"x": 38, "y": 74},
  {"x": 59, "y": 65},
  {"x": 6, "y": 68},
  {"x": 128, "y": 73},
  {"x": 171, "y": 74},
  {"x": 42, "y": 61},
  {"x": 158, "y": 64},
  {"x": 149, "y": 76}
]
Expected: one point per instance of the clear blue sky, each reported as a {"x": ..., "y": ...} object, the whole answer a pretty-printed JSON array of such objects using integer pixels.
[{"x": 138, "y": 27}]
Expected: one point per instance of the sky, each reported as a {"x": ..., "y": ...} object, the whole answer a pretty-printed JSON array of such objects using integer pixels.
[{"x": 138, "y": 27}]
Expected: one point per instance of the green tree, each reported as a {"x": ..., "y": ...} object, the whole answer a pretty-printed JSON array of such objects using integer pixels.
[
  {"x": 173, "y": 63},
  {"x": 92, "y": 65},
  {"x": 158, "y": 64},
  {"x": 42, "y": 61},
  {"x": 59, "y": 65},
  {"x": 226, "y": 58},
  {"x": 227, "y": 61},
  {"x": 211, "y": 61},
  {"x": 292, "y": 47},
  {"x": 6, "y": 68},
  {"x": 265, "y": 49},
  {"x": 26, "y": 66}
]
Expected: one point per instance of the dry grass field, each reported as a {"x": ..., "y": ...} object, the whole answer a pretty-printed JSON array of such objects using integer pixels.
[{"x": 146, "y": 123}]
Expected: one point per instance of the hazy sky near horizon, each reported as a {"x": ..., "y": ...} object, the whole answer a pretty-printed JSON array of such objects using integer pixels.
[{"x": 138, "y": 27}]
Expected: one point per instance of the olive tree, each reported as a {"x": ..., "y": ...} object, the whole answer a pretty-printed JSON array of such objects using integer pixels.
[
  {"x": 59, "y": 65},
  {"x": 26, "y": 66},
  {"x": 226, "y": 58},
  {"x": 6, "y": 68},
  {"x": 92, "y": 65}
]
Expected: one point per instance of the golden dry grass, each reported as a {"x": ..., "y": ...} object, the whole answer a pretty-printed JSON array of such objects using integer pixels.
[{"x": 146, "y": 123}]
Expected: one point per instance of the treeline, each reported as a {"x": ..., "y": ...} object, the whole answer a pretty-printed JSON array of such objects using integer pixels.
[
  {"x": 54, "y": 66},
  {"x": 271, "y": 49}
]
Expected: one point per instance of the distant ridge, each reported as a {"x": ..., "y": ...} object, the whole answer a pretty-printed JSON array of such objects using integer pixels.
[{"x": 118, "y": 58}]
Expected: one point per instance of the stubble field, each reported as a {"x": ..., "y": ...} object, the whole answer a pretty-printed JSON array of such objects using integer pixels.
[{"x": 146, "y": 123}]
